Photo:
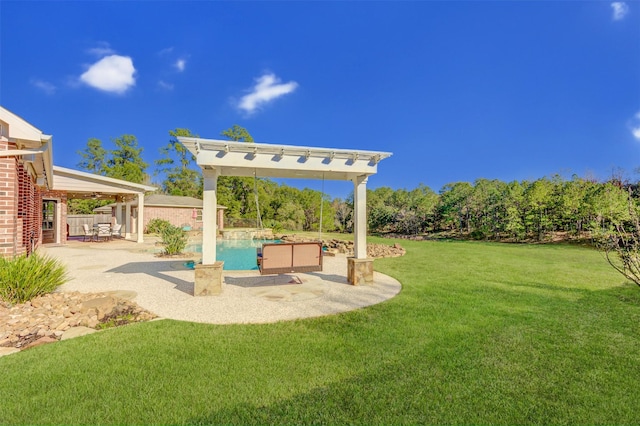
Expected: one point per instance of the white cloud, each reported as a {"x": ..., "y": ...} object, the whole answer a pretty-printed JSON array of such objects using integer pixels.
[
  {"x": 112, "y": 73},
  {"x": 103, "y": 49},
  {"x": 165, "y": 51},
  {"x": 180, "y": 64},
  {"x": 620, "y": 10},
  {"x": 267, "y": 89},
  {"x": 634, "y": 126},
  {"x": 45, "y": 86},
  {"x": 164, "y": 85}
]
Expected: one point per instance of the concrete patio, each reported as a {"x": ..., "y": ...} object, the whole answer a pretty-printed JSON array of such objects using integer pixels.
[{"x": 164, "y": 285}]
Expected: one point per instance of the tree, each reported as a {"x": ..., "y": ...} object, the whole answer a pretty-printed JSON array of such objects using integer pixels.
[
  {"x": 620, "y": 241},
  {"x": 453, "y": 209},
  {"x": 238, "y": 134},
  {"x": 126, "y": 161},
  {"x": 86, "y": 206},
  {"x": 571, "y": 199},
  {"x": 538, "y": 198},
  {"x": 381, "y": 214},
  {"x": 485, "y": 204},
  {"x": 512, "y": 223},
  {"x": 310, "y": 200},
  {"x": 93, "y": 157},
  {"x": 284, "y": 208},
  {"x": 344, "y": 215},
  {"x": 234, "y": 192},
  {"x": 423, "y": 203},
  {"x": 176, "y": 165}
]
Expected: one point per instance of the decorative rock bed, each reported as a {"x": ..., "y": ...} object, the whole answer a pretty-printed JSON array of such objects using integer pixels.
[
  {"x": 51, "y": 317},
  {"x": 346, "y": 247}
]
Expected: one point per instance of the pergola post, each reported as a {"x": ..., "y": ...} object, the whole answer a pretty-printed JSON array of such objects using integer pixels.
[
  {"x": 127, "y": 220},
  {"x": 118, "y": 210},
  {"x": 209, "y": 274},
  {"x": 209, "y": 216},
  {"x": 140, "y": 229},
  {"x": 359, "y": 267},
  {"x": 360, "y": 215}
]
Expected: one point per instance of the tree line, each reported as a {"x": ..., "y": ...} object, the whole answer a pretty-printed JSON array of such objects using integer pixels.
[
  {"x": 503, "y": 211},
  {"x": 248, "y": 201},
  {"x": 484, "y": 209}
]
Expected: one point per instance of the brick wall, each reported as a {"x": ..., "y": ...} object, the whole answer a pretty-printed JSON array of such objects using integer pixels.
[
  {"x": 8, "y": 201},
  {"x": 20, "y": 207},
  {"x": 61, "y": 197},
  {"x": 177, "y": 216},
  {"x": 29, "y": 212}
]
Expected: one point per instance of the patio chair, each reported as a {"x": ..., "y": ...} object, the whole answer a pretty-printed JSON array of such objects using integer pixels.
[
  {"x": 104, "y": 231},
  {"x": 88, "y": 232},
  {"x": 115, "y": 231}
]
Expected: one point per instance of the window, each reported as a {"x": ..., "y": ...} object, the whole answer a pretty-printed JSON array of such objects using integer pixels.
[{"x": 198, "y": 215}]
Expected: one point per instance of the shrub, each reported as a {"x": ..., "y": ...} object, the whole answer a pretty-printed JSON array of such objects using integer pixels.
[
  {"x": 274, "y": 225},
  {"x": 620, "y": 242},
  {"x": 24, "y": 278},
  {"x": 156, "y": 226},
  {"x": 174, "y": 239},
  {"x": 478, "y": 235}
]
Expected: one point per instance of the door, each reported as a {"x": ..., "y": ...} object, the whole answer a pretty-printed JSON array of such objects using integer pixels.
[{"x": 48, "y": 221}]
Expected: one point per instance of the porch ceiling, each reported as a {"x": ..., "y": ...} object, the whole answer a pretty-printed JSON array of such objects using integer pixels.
[{"x": 87, "y": 185}]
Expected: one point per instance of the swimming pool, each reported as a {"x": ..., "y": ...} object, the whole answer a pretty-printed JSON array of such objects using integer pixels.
[{"x": 237, "y": 255}]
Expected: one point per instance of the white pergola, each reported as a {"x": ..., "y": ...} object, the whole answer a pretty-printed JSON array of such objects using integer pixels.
[{"x": 228, "y": 158}]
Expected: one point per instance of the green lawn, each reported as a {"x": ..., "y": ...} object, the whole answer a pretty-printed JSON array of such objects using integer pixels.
[{"x": 481, "y": 333}]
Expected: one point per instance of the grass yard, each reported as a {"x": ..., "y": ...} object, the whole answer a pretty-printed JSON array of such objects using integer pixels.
[{"x": 481, "y": 333}]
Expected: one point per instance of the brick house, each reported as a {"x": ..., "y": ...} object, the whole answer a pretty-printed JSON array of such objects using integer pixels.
[
  {"x": 26, "y": 178},
  {"x": 34, "y": 192},
  {"x": 177, "y": 210}
]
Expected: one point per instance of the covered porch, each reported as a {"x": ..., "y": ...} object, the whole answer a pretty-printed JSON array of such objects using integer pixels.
[{"x": 129, "y": 198}]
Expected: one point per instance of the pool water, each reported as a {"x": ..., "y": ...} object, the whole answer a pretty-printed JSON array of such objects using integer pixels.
[{"x": 237, "y": 255}]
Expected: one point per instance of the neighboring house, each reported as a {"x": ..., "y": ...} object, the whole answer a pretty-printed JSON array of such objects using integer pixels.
[
  {"x": 34, "y": 192},
  {"x": 185, "y": 212}
]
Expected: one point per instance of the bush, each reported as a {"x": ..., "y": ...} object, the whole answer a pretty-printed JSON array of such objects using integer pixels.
[
  {"x": 157, "y": 226},
  {"x": 275, "y": 226},
  {"x": 24, "y": 278},
  {"x": 478, "y": 235},
  {"x": 174, "y": 239}
]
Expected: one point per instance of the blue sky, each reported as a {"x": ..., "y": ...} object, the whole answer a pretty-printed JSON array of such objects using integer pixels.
[{"x": 457, "y": 91}]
